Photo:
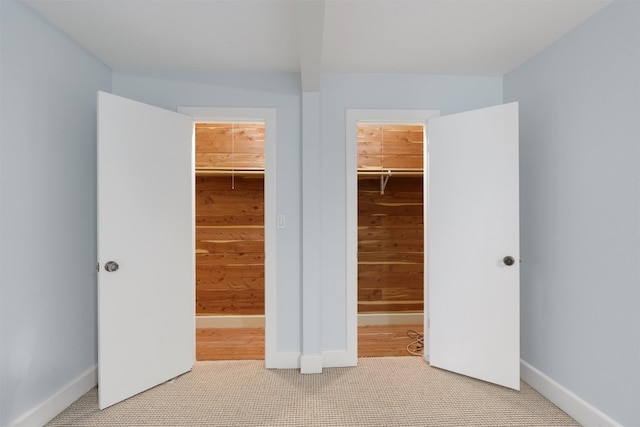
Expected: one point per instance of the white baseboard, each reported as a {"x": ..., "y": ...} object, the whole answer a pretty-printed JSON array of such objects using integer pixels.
[
  {"x": 61, "y": 400},
  {"x": 338, "y": 359},
  {"x": 283, "y": 360},
  {"x": 311, "y": 364},
  {"x": 257, "y": 321},
  {"x": 307, "y": 364},
  {"x": 578, "y": 409}
]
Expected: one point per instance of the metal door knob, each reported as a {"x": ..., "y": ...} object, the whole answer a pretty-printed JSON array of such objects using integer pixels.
[
  {"x": 111, "y": 266},
  {"x": 508, "y": 260}
]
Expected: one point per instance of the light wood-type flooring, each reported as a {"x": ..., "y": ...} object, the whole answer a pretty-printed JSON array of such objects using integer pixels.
[{"x": 248, "y": 343}]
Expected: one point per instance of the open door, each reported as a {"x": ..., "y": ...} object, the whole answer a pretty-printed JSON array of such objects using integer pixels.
[
  {"x": 473, "y": 244},
  {"x": 146, "y": 285}
]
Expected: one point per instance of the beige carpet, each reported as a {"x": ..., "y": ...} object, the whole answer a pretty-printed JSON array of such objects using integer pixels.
[{"x": 385, "y": 391}]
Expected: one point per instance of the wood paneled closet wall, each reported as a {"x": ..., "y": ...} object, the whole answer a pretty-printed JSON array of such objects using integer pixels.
[
  {"x": 229, "y": 218},
  {"x": 390, "y": 218}
]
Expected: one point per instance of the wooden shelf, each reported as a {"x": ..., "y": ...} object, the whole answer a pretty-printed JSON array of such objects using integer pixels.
[
  {"x": 229, "y": 172},
  {"x": 368, "y": 174}
]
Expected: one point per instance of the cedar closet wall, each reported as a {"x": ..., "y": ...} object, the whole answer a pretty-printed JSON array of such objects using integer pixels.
[
  {"x": 390, "y": 218},
  {"x": 229, "y": 219}
]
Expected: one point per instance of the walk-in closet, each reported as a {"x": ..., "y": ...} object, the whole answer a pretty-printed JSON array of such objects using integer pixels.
[
  {"x": 390, "y": 238},
  {"x": 230, "y": 250}
]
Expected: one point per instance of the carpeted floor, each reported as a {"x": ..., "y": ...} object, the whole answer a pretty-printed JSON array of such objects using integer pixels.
[{"x": 384, "y": 391}]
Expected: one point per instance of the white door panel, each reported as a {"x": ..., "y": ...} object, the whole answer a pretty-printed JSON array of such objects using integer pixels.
[
  {"x": 473, "y": 224},
  {"x": 146, "y": 309}
]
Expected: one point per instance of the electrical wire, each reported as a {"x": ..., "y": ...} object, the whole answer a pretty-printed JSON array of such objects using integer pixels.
[{"x": 417, "y": 346}]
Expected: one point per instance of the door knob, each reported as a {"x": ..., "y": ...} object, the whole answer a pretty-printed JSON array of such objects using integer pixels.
[
  {"x": 111, "y": 266},
  {"x": 508, "y": 260}
]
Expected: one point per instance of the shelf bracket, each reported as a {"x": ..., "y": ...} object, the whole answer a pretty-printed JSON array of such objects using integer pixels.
[{"x": 383, "y": 181}]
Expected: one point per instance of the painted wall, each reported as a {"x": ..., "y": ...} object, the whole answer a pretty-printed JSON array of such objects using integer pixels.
[
  {"x": 48, "y": 331},
  {"x": 579, "y": 104},
  {"x": 339, "y": 92},
  {"x": 262, "y": 90},
  {"x": 580, "y": 205}
]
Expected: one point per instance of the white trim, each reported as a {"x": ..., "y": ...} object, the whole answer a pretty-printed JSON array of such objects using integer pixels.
[
  {"x": 311, "y": 364},
  {"x": 284, "y": 360},
  {"x": 351, "y": 204},
  {"x": 580, "y": 410},
  {"x": 311, "y": 219},
  {"x": 59, "y": 401},
  {"x": 268, "y": 115},
  {"x": 257, "y": 320},
  {"x": 338, "y": 359}
]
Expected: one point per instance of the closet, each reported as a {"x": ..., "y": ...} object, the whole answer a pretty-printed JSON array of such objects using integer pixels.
[
  {"x": 230, "y": 253},
  {"x": 390, "y": 232}
]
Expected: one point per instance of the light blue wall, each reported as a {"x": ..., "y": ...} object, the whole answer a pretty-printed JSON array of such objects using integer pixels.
[
  {"x": 272, "y": 90},
  {"x": 340, "y": 92},
  {"x": 580, "y": 115},
  {"x": 580, "y": 205},
  {"x": 48, "y": 329}
]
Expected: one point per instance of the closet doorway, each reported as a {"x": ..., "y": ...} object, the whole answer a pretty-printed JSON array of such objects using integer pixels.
[
  {"x": 390, "y": 171},
  {"x": 230, "y": 240},
  {"x": 473, "y": 306}
]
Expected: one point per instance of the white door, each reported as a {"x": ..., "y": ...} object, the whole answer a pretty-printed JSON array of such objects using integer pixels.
[
  {"x": 146, "y": 308},
  {"x": 473, "y": 244}
]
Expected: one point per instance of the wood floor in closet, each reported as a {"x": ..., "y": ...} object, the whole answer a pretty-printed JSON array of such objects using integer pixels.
[{"x": 248, "y": 343}]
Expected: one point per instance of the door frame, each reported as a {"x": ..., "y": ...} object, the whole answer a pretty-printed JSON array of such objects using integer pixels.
[
  {"x": 353, "y": 117},
  {"x": 268, "y": 116}
]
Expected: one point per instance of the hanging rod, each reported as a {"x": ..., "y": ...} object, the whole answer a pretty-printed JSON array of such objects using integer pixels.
[
  {"x": 393, "y": 172},
  {"x": 229, "y": 172}
]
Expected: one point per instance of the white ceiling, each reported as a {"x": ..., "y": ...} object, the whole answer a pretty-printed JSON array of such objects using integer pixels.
[{"x": 455, "y": 37}]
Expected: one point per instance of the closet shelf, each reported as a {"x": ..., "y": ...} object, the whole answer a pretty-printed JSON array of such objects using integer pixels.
[
  {"x": 228, "y": 172},
  {"x": 368, "y": 173},
  {"x": 386, "y": 174}
]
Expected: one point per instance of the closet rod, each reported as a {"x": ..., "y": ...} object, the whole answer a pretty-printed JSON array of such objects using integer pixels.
[
  {"x": 229, "y": 172},
  {"x": 393, "y": 172}
]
